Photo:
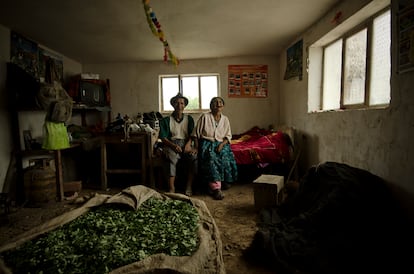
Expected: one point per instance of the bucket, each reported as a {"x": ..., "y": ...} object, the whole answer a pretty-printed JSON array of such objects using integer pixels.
[{"x": 40, "y": 184}]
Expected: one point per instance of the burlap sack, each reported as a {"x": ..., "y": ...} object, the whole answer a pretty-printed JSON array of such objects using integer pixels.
[{"x": 208, "y": 258}]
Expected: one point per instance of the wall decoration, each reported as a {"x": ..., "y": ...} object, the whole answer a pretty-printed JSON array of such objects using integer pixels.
[
  {"x": 406, "y": 38},
  {"x": 25, "y": 54},
  {"x": 155, "y": 27},
  {"x": 44, "y": 55},
  {"x": 32, "y": 58},
  {"x": 294, "y": 61},
  {"x": 28, "y": 140},
  {"x": 247, "y": 81}
]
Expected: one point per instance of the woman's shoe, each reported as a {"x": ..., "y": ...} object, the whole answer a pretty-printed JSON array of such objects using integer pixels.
[{"x": 217, "y": 194}]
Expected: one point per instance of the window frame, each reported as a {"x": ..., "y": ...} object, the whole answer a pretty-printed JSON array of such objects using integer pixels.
[
  {"x": 180, "y": 89},
  {"x": 368, "y": 24}
]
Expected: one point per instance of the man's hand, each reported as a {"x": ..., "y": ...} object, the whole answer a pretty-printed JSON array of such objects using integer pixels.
[{"x": 190, "y": 149}]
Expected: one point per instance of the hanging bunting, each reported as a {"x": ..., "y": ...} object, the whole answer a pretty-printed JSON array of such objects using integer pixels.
[{"x": 155, "y": 27}]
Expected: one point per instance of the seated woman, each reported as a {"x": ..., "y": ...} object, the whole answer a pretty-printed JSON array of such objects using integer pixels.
[
  {"x": 212, "y": 136},
  {"x": 175, "y": 133}
]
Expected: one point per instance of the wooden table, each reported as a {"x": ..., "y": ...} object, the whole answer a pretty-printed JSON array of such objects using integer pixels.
[{"x": 135, "y": 148}]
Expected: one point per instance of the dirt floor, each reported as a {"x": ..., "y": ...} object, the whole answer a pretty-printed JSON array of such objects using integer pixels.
[{"x": 235, "y": 217}]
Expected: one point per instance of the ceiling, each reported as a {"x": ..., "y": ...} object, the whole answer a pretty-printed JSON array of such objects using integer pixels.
[{"x": 100, "y": 31}]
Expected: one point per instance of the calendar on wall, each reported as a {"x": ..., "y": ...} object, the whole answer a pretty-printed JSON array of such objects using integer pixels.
[{"x": 246, "y": 81}]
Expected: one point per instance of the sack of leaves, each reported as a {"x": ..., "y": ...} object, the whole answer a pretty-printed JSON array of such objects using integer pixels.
[{"x": 138, "y": 230}]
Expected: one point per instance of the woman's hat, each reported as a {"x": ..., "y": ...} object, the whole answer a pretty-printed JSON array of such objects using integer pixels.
[{"x": 176, "y": 97}]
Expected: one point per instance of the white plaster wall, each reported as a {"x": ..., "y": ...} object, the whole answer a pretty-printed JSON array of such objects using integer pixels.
[
  {"x": 134, "y": 88},
  {"x": 375, "y": 140}
]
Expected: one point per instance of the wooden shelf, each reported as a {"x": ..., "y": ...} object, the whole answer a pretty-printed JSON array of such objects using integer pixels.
[{"x": 21, "y": 92}]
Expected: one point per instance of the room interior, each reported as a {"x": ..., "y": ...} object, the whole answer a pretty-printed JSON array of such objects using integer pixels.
[
  {"x": 378, "y": 137},
  {"x": 114, "y": 41}
]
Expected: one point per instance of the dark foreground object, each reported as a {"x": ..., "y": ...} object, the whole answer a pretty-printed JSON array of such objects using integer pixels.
[{"x": 341, "y": 220}]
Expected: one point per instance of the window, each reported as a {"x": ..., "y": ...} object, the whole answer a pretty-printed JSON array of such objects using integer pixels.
[
  {"x": 355, "y": 67},
  {"x": 199, "y": 89}
]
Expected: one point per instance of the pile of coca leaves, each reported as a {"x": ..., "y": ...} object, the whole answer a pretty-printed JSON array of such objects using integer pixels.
[{"x": 108, "y": 237}]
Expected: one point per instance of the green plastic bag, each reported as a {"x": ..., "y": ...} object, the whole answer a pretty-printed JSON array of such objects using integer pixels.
[{"x": 55, "y": 136}]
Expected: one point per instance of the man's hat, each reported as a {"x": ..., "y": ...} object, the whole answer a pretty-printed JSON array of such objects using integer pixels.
[{"x": 176, "y": 97}]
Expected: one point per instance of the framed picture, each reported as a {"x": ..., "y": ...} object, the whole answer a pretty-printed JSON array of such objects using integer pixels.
[
  {"x": 294, "y": 61},
  {"x": 24, "y": 53},
  {"x": 44, "y": 55},
  {"x": 27, "y": 137}
]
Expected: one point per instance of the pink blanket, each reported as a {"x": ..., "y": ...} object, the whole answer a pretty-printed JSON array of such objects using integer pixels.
[{"x": 258, "y": 146}]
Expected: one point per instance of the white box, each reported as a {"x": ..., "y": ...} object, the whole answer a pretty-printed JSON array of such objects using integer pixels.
[
  {"x": 266, "y": 190},
  {"x": 90, "y": 76}
]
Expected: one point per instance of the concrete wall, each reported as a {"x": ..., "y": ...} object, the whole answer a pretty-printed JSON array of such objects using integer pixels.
[{"x": 375, "y": 140}]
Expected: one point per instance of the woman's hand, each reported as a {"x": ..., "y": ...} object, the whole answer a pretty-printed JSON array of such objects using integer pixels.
[
  {"x": 177, "y": 148},
  {"x": 193, "y": 151},
  {"x": 221, "y": 146}
]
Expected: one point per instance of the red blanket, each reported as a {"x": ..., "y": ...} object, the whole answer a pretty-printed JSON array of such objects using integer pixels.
[{"x": 258, "y": 146}]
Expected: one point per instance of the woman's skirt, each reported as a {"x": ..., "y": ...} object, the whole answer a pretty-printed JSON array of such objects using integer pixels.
[{"x": 216, "y": 166}]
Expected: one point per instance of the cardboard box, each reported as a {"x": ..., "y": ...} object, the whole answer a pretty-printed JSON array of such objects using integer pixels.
[{"x": 267, "y": 188}]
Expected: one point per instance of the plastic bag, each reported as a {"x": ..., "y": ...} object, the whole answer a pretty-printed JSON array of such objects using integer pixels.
[{"x": 55, "y": 136}]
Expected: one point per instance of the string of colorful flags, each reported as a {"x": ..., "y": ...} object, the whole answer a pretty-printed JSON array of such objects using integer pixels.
[{"x": 155, "y": 27}]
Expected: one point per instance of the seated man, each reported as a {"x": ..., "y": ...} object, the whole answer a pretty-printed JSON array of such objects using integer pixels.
[{"x": 175, "y": 131}]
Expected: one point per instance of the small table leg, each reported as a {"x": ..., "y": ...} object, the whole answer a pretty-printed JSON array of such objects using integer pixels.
[{"x": 59, "y": 175}]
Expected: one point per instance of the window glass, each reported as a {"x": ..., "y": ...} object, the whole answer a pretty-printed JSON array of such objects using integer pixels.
[
  {"x": 190, "y": 90},
  {"x": 209, "y": 88},
  {"x": 355, "y": 68},
  {"x": 381, "y": 60},
  {"x": 332, "y": 76},
  {"x": 170, "y": 88},
  {"x": 199, "y": 89}
]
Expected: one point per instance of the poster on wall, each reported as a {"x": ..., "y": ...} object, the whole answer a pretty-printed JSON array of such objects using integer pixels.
[
  {"x": 406, "y": 38},
  {"x": 247, "y": 81},
  {"x": 294, "y": 61},
  {"x": 44, "y": 55},
  {"x": 24, "y": 53},
  {"x": 32, "y": 58}
]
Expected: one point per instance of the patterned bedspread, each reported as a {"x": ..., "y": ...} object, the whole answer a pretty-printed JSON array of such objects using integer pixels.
[{"x": 258, "y": 146}]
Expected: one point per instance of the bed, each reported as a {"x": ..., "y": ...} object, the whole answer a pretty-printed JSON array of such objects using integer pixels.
[{"x": 262, "y": 148}]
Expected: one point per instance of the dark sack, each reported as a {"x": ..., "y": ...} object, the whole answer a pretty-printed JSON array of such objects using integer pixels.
[
  {"x": 59, "y": 111},
  {"x": 56, "y": 101},
  {"x": 52, "y": 97}
]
